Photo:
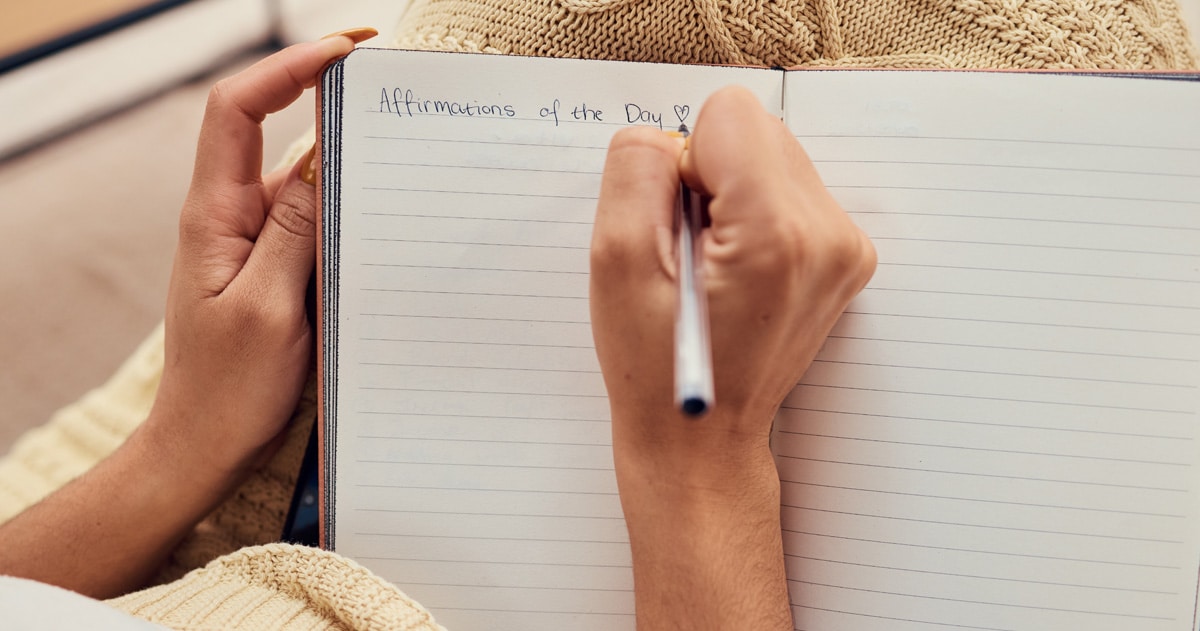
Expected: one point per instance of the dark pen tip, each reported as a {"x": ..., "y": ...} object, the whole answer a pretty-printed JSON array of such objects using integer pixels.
[
  {"x": 683, "y": 129},
  {"x": 694, "y": 406}
]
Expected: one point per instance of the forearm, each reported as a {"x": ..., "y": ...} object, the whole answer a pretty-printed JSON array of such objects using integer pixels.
[
  {"x": 707, "y": 545},
  {"x": 105, "y": 533}
]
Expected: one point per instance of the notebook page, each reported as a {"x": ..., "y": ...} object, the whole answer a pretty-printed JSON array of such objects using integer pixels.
[
  {"x": 1001, "y": 431},
  {"x": 473, "y": 449}
]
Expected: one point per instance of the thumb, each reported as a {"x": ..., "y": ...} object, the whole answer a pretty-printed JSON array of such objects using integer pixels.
[{"x": 284, "y": 253}]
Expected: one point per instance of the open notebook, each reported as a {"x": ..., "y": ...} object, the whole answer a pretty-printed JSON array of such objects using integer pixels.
[{"x": 1000, "y": 433}]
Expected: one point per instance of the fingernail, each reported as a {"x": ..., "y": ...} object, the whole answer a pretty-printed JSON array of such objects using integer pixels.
[
  {"x": 308, "y": 166},
  {"x": 356, "y": 35}
]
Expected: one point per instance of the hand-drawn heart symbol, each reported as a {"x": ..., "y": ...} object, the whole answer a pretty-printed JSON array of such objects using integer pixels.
[{"x": 682, "y": 112}]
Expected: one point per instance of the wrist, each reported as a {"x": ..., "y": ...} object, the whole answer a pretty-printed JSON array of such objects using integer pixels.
[
  {"x": 183, "y": 467},
  {"x": 693, "y": 473},
  {"x": 685, "y": 483},
  {"x": 706, "y": 532},
  {"x": 724, "y": 453}
]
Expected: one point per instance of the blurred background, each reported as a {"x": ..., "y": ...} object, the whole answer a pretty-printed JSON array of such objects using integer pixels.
[{"x": 100, "y": 106}]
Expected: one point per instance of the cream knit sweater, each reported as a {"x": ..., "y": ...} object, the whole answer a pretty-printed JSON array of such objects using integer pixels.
[{"x": 274, "y": 586}]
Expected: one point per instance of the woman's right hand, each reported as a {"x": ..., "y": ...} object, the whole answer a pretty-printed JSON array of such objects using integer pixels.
[{"x": 781, "y": 261}]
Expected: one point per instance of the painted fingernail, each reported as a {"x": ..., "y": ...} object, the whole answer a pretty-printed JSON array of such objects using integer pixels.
[
  {"x": 308, "y": 166},
  {"x": 679, "y": 137},
  {"x": 356, "y": 35}
]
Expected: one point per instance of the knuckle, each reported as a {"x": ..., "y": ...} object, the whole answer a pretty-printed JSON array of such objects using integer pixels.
[
  {"x": 293, "y": 211},
  {"x": 843, "y": 252},
  {"x": 244, "y": 316},
  {"x": 610, "y": 256},
  {"x": 868, "y": 261},
  {"x": 218, "y": 96},
  {"x": 191, "y": 230},
  {"x": 253, "y": 315},
  {"x": 850, "y": 257}
]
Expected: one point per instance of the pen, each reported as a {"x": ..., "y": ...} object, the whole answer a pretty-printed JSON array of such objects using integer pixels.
[{"x": 693, "y": 350}]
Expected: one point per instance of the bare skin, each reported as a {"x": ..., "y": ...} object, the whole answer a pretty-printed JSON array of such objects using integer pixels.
[
  {"x": 238, "y": 343},
  {"x": 782, "y": 261},
  {"x": 701, "y": 498}
]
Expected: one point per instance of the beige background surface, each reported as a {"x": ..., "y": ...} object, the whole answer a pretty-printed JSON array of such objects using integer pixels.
[
  {"x": 32, "y": 23},
  {"x": 87, "y": 230}
]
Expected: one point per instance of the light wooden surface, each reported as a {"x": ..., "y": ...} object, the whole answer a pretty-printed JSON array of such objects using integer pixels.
[{"x": 28, "y": 24}]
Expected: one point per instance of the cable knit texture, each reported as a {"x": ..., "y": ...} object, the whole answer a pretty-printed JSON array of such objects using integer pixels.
[
  {"x": 1014, "y": 34},
  {"x": 289, "y": 587}
]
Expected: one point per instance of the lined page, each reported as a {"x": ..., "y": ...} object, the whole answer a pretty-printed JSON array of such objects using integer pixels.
[
  {"x": 473, "y": 450},
  {"x": 1000, "y": 433}
]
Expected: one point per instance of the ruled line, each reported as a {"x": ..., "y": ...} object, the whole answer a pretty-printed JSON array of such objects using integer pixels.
[
  {"x": 511, "y": 219},
  {"x": 986, "y": 501},
  {"x": 480, "y": 538},
  {"x": 1009, "y": 166},
  {"x": 1038, "y": 271},
  {"x": 879, "y": 617},
  {"x": 436, "y": 512},
  {"x": 387, "y": 558},
  {"x": 1074, "y": 222},
  {"x": 569, "y": 589},
  {"x": 461, "y": 317},
  {"x": 1186, "y": 202},
  {"x": 979, "y": 551},
  {"x": 1017, "y": 322},
  {"x": 475, "y": 269},
  {"x": 539, "y": 145},
  {"x": 1005, "y": 399},
  {"x": 400, "y": 339},
  {"x": 472, "y": 293},
  {"x": 489, "y": 193},
  {"x": 987, "y": 449},
  {"x": 1006, "y": 140},
  {"x": 524, "y": 394},
  {"x": 1073, "y": 248},
  {"x": 481, "y": 464},
  {"x": 503, "y": 245},
  {"x": 482, "y": 168},
  {"x": 986, "y": 578},
  {"x": 986, "y": 527},
  {"x": 1007, "y": 374},
  {"x": 486, "y": 442},
  {"x": 486, "y": 416},
  {"x": 502, "y": 368},
  {"x": 1002, "y": 348},
  {"x": 1021, "y": 297},
  {"x": 987, "y": 424},
  {"x": 982, "y": 602},
  {"x": 987, "y": 475},
  {"x": 463, "y": 488}
]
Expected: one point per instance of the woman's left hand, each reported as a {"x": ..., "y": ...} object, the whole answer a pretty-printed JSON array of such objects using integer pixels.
[
  {"x": 238, "y": 343},
  {"x": 238, "y": 340}
]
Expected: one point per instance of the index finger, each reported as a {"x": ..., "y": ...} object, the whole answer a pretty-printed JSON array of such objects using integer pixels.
[{"x": 230, "y": 147}]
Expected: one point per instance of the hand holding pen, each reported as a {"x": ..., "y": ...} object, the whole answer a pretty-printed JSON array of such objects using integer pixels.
[{"x": 780, "y": 261}]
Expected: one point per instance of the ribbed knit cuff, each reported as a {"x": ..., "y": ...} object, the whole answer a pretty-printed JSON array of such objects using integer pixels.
[{"x": 279, "y": 587}]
